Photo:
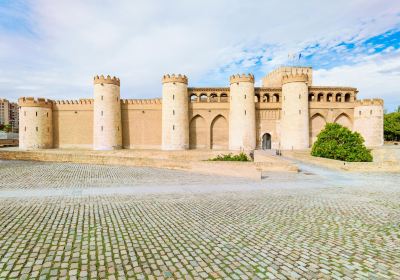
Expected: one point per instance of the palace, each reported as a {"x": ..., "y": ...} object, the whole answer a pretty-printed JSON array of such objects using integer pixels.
[{"x": 287, "y": 112}]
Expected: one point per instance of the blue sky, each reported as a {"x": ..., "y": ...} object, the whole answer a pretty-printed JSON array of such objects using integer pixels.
[{"x": 53, "y": 48}]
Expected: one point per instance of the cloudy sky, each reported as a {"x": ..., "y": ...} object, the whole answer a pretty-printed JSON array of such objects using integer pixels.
[{"x": 52, "y": 48}]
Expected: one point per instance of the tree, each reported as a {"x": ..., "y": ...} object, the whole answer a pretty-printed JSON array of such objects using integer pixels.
[
  {"x": 338, "y": 142},
  {"x": 391, "y": 126}
]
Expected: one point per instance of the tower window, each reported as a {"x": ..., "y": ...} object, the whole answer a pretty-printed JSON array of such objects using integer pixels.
[
  {"x": 173, "y": 97},
  {"x": 245, "y": 96},
  {"x": 173, "y": 127},
  {"x": 299, "y": 112},
  {"x": 173, "y": 112},
  {"x": 37, "y": 129},
  {"x": 299, "y": 96},
  {"x": 101, "y": 112},
  {"x": 245, "y": 112},
  {"x": 48, "y": 129},
  {"x": 118, "y": 128},
  {"x": 359, "y": 113},
  {"x": 25, "y": 128},
  {"x": 370, "y": 112},
  {"x": 24, "y": 113},
  {"x": 36, "y": 114},
  {"x": 102, "y": 97},
  {"x": 47, "y": 114},
  {"x": 101, "y": 128}
]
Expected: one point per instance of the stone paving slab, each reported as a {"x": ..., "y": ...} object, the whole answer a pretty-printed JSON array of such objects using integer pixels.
[{"x": 327, "y": 232}]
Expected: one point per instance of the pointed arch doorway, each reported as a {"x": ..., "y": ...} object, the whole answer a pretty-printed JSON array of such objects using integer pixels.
[{"x": 266, "y": 141}]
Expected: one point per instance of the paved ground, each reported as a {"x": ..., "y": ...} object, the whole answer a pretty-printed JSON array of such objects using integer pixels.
[{"x": 68, "y": 221}]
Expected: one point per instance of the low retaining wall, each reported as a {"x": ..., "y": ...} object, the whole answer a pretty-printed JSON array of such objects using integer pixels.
[{"x": 237, "y": 169}]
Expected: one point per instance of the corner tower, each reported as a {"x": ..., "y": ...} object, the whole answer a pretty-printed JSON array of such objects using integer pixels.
[
  {"x": 35, "y": 123},
  {"x": 175, "y": 112},
  {"x": 294, "y": 128},
  {"x": 107, "y": 130},
  {"x": 368, "y": 121},
  {"x": 242, "y": 118}
]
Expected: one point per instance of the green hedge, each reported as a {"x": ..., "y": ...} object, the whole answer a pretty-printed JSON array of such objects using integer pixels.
[
  {"x": 338, "y": 142},
  {"x": 230, "y": 157},
  {"x": 392, "y": 127}
]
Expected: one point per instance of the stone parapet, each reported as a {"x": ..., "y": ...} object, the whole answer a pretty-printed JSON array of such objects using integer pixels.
[
  {"x": 369, "y": 102},
  {"x": 179, "y": 78},
  {"x": 35, "y": 102},
  {"x": 241, "y": 78},
  {"x": 106, "y": 80},
  {"x": 291, "y": 78}
]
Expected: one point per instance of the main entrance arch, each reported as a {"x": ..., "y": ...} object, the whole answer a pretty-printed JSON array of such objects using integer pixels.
[
  {"x": 197, "y": 133},
  {"x": 266, "y": 141},
  {"x": 219, "y": 133}
]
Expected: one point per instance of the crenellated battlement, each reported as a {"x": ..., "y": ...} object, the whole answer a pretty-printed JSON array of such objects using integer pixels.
[
  {"x": 274, "y": 78},
  {"x": 106, "y": 80},
  {"x": 141, "y": 101},
  {"x": 294, "y": 77},
  {"x": 241, "y": 78},
  {"x": 369, "y": 102},
  {"x": 35, "y": 102},
  {"x": 174, "y": 79},
  {"x": 74, "y": 102}
]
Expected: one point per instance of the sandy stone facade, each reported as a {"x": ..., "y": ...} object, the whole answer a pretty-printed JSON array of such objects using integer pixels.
[{"x": 286, "y": 112}]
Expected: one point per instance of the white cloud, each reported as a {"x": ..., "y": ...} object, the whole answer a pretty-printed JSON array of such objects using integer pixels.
[{"x": 141, "y": 40}]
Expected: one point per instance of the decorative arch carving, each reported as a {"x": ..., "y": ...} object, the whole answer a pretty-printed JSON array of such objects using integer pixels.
[{"x": 344, "y": 120}]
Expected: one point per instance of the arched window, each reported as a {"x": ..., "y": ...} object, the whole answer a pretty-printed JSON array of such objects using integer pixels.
[
  {"x": 224, "y": 97},
  {"x": 320, "y": 97},
  {"x": 203, "y": 97},
  {"x": 347, "y": 97},
  {"x": 329, "y": 97},
  {"x": 311, "y": 97},
  {"x": 256, "y": 98},
  {"x": 275, "y": 97},
  {"x": 193, "y": 98},
  {"x": 338, "y": 97},
  {"x": 213, "y": 97},
  {"x": 265, "y": 97}
]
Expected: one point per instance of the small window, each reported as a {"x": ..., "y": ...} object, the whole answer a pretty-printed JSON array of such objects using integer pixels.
[
  {"x": 24, "y": 113},
  {"x": 173, "y": 112},
  {"x": 102, "y": 97},
  {"x": 118, "y": 128},
  {"x": 359, "y": 113},
  {"x": 76, "y": 112},
  {"x": 37, "y": 129},
  {"x": 47, "y": 114},
  {"x": 101, "y": 112},
  {"x": 370, "y": 112},
  {"x": 173, "y": 127},
  {"x": 173, "y": 97},
  {"x": 25, "y": 128},
  {"x": 299, "y": 112},
  {"x": 245, "y": 112},
  {"x": 36, "y": 114},
  {"x": 245, "y": 96},
  {"x": 299, "y": 96},
  {"x": 101, "y": 128}
]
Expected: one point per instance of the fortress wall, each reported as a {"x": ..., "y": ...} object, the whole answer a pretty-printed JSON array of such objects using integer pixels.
[
  {"x": 73, "y": 124},
  {"x": 141, "y": 124}
]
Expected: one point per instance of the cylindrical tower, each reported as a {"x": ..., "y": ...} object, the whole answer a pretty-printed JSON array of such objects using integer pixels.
[
  {"x": 368, "y": 121},
  {"x": 107, "y": 130},
  {"x": 35, "y": 123},
  {"x": 242, "y": 116},
  {"x": 294, "y": 126},
  {"x": 175, "y": 112}
]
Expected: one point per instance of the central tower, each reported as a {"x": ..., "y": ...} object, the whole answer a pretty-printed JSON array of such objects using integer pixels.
[
  {"x": 242, "y": 113},
  {"x": 107, "y": 130}
]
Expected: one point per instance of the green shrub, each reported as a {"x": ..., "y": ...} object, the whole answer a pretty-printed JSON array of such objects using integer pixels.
[
  {"x": 230, "y": 157},
  {"x": 338, "y": 142},
  {"x": 391, "y": 126}
]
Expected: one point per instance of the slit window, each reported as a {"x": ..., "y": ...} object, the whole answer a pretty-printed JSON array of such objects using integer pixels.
[
  {"x": 173, "y": 97},
  {"x": 370, "y": 112},
  {"x": 173, "y": 127},
  {"x": 37, "y": 129},
  {"x": 101, "y": 128},
  {"x": 36, "y": 114},
  {"x": 101, "y": 112},
  {"x": 173, "y": 112},
  {"x": 47, "y": 114},
  {"x": 245, "y": 112},
  {"x": 102, "y": 97}
]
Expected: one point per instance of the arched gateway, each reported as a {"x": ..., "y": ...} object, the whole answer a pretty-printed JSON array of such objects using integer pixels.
[{"x": 266, "y": 141}]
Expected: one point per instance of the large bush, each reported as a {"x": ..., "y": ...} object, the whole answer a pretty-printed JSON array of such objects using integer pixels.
[
  {"x": 392, "y": 127},
  {"x": 338, "y": 142},
  {"x": 230, "y": 157}
]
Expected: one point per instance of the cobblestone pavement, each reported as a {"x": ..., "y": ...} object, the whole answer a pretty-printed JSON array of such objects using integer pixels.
[{"x": 335, "y": 232}]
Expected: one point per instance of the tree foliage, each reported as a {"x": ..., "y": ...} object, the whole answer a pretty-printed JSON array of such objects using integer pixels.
[
  {"x": 338, "y": 142},
  {"x": 391, "y": 126}
]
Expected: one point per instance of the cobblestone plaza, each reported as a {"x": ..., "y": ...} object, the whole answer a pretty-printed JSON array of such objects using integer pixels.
[{"x": 76, "y": 221}]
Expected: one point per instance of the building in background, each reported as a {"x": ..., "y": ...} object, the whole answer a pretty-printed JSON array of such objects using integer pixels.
[{"x": 9, "y": 114}]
